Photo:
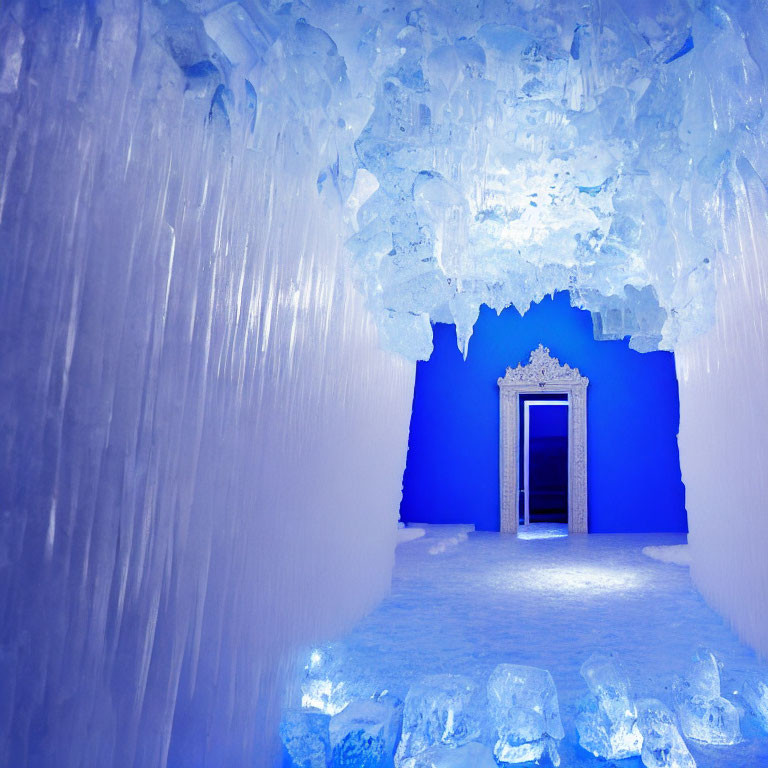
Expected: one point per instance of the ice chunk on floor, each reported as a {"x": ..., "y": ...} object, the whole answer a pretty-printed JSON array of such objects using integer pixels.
[
  {"x": 755, "y": 693},
  {"x": 472, "y": 755},
  {"x": 607, "y": 721},
  {"x": 439, "y": 710},
  {"x": 321, "y": 686},
  {"x": 713, "y": 721},
  {"x": 525, "y": 713},
  {"x": 663, "y": 746},
  {"x": 365, "y": 733},
  {"x": 306, "y": 737},
  {"x": 704, "y": 714}
]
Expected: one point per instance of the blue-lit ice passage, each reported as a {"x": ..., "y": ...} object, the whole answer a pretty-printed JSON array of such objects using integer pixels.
[
  {"x": 564, "y": 650},
  {"x": 225, "y": 231}
]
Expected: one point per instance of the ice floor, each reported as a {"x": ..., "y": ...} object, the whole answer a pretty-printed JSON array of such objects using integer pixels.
[{"x": 463, "y": 602}]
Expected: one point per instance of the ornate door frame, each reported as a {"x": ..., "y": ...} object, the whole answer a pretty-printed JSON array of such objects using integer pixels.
[{"x": 543, "y": 373}]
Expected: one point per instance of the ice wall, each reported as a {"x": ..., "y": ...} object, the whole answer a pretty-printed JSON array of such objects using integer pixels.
[
  {"x": 201, "y": 442},
  {"x": 724, "y": 416},
  {"x": 723, "y": 373}
]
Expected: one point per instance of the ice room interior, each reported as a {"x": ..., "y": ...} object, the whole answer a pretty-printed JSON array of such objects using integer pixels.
[{"x": 383, "y": 384}]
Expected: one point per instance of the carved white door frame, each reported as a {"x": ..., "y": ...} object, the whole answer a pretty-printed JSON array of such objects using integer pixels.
[{"x": 543, "y": 373}]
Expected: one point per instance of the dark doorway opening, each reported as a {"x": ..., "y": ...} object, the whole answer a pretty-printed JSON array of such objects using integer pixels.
[{"x": 543, "y": 458}]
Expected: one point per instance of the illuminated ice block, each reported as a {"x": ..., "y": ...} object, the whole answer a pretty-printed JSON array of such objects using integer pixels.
[
  {"x": 663, "y": 746},
  {"x": 472, "y": 755},
  {"x": 755, "y": 693},
  {"x": 445, "y": 710},
  {"x": 704, "y": 714},
  {"x": 607, "y": 720},
  {"x": 365, "y": 733},
  {"x": 306, "y": 738},
  {"x": 525, "y": 714},
  {"x": 322, "y": 687}
]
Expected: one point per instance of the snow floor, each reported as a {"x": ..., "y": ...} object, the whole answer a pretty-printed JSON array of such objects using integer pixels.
[{"x": 463, "y": 602}]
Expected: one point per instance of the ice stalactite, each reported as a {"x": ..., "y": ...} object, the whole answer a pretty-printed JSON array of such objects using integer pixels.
[{"x": 202, "y": 442}]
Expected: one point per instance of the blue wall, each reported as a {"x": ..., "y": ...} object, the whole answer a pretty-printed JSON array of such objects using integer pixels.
[{"x": 452, "y": 471}]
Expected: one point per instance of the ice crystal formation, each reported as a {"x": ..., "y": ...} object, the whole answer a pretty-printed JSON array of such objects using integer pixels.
[{"x": 495, "y": 152}]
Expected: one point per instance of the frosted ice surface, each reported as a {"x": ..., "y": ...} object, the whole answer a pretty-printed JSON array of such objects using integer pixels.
[
  {"x": 472, "y": 755},
  {"x": 704, "y": 714},
  {"x": 663, "y": 746},
  {"x": 439, "y": 710},
  {"x": 607, "y": 721},
  {"x": 365, "y": 733},
  {"x": 525, "y": 713},
  {"x": 755, "y": 693},
  {"x": 306, "y": 738}
]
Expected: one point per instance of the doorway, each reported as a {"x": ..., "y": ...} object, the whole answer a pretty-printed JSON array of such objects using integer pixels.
[
  {"x": 544, "y": 378},
  {"x": 544, "y": 459}
]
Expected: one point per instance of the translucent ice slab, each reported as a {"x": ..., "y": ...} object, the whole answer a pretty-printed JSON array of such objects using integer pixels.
[
  {"x": 525, "y": 713},
  {"x": 365, "y": 733},
  {"x": 440, "y": 710},
  {"x": 607, "y": 721}
]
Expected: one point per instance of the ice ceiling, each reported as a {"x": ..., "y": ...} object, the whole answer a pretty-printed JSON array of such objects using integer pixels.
[{"x": 494, "y": 152}]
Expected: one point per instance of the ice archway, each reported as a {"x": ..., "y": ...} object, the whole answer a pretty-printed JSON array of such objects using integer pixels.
[{"x": 190, "y": 190}]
